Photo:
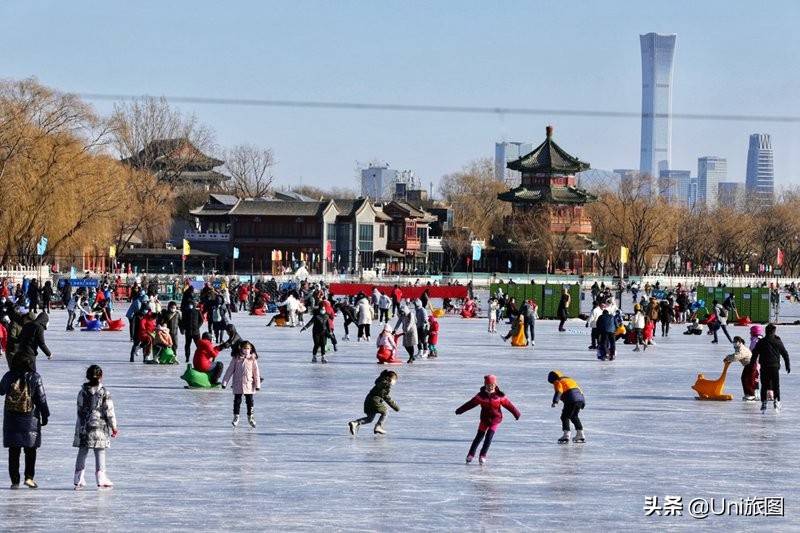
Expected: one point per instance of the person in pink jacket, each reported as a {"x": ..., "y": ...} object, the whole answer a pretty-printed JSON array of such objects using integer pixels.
[
  {"x": 490, "y": 399},
  {"x": 245, "y": 381}
]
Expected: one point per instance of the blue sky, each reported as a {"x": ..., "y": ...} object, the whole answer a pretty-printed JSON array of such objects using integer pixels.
[{"x": 732, "y": 58}]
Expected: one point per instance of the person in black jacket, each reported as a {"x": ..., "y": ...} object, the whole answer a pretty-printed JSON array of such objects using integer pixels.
[
  {"x": 47, "y": 296},
  {"x": 33, "y": 295},
  {"x": 171, "y": 318},
  {"x": 768, "y": 353},
  {"x": 320, "y": 331},
  {"x": 31, "y": 340},
  {"x": 607, "y": 347},
  {"x": 190, "y": 327},
  {"x": 24, "y": 414}
]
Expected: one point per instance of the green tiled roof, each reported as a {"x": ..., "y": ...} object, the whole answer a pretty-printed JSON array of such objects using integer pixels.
[{"x": 550, "y": 158}]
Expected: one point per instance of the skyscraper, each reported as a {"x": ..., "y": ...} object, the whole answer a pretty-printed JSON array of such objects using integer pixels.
[
  {"x": 710, "y": 171},
  {"x": 692, "y": 196},
  {"x": 760, "y": 182},
  {"x": 658, "y": 52},
  {"x": 376, "y": 182},
  {"x": 731, "y": 193},
  {"x": 504, "y": 153},
  {"x": 673, "y": 186}
]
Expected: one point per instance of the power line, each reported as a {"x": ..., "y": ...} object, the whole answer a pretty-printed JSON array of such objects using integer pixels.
[{"x": 362, "y": 106}]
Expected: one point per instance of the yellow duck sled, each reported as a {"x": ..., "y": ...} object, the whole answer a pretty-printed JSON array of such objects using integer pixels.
[{"x": 708, "y": 389}]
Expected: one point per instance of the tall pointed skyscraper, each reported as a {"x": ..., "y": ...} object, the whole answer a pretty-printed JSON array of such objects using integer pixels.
[
  {"x": 760, "y": 174},
  {"x": 658, "y": 52}
]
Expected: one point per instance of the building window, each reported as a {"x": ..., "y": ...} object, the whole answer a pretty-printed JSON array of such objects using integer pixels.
[
  {"x": 381, "y": 230},
  {"x": 365, "y": 234}
]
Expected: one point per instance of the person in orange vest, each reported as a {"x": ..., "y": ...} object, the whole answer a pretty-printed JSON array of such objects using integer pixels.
[{"x": 571, "y": 395}]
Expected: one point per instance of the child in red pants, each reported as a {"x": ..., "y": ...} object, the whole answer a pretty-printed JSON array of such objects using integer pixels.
[{"x": 490, "y": 399}]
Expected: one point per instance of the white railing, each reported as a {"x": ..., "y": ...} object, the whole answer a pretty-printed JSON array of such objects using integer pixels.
[{"x": 206, "y": 236}]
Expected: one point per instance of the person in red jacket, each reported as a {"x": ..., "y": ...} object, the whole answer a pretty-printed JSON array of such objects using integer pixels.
[
  {"x": 244, "y": 294},
  {"x": 145, "y": 336},
  {"x": 397, "y": 297},
  {"x": 490, "y": 399},
  {"x": 433, "y": 337},
  {"x": 205, "y": 359}
]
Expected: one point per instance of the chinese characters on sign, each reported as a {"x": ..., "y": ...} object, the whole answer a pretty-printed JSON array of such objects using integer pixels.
[{"x": 701, "y": 508}]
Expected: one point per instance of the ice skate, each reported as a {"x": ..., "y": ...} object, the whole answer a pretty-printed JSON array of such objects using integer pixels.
[
  {"x": 251, "y": 420},
  {"x": 748, "y": 398},
  {"x": 776, "y": 405},
  {"x": 354, "y": 425},
  {"x": 564, "y": 438},
  {"x": 636, "y": 349},
  {"x": 14, "y": 486},
  {"x": 482, "y": 459},
  {"x": 314, "y": 359},
  {"x": 235, "y": 421},
  {"x": 579, "y": 438},
  {"x": 102, "y": 480},
  {"x": 31, "y": 484},
  {"x": 79, "y": 481},
  {"x": 379, "y": 430},
  {"x": 763, "y": 407},
  {"x": 347, "y": 337},
  {"x": 324, "y": 360},
  {"x": 470, "y": 458}
]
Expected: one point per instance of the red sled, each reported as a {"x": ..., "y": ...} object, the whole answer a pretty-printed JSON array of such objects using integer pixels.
[{"x": 115, "y": 325}]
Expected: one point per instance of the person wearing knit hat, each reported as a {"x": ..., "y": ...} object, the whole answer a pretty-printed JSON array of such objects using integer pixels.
[
  {"x": 491, "y": 400},
  {"x": 571, "y": 395}
]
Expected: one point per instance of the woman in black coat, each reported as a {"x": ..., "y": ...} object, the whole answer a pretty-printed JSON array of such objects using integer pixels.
[{"x": 24, "y": 414}]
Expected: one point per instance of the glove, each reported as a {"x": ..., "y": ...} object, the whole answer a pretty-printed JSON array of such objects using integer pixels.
[
  {"x": 44, "y": 421},
  {"x": 258, "y": 390},
  {"x": 114, "y": 433},
  {"x": 788, "y": 370},
  {"x": 223, "y": 386},
  {"x": 554, "y": 404}
]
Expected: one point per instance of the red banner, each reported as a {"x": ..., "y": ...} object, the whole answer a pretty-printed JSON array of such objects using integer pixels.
[{"x": 409, "y": 291}]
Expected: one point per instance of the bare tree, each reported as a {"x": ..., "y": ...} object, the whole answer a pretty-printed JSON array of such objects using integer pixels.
[
  {"x": 456, "y": 244},
  {"x": 250, "y": 169}
]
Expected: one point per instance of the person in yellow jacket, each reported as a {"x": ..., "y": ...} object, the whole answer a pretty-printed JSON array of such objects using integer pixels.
[
  {"x": 569, "y": 392},
  {"x": 517, "y": 333}
]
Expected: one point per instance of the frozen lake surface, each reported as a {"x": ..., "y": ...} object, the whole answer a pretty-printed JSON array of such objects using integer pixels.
[{"x": 178, "y": 465}]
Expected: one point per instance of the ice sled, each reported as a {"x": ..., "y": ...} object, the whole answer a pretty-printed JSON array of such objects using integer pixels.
[
  {"x": 115, "y": 325},
  {"x": 709, "y": 389},
  {"x": 91, "y": 325},
  {"x": 197, "y": 380},
  {"x": 167, "y": 357},
  {"x": 743, "y": 321}
]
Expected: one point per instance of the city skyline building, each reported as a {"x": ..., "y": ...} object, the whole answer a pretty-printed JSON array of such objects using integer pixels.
[
  {"x": 376, "y": 181},
  {"x": 658, "y": 53},
  {"x": 760, "y": 179},
  {"x": 711, "y": 170},
  {"x": 731, "y": 193},
  {"x": 691, "y": 198},
  {"x": 504, "y": 153},
  {"x": 673, "y": 186}
]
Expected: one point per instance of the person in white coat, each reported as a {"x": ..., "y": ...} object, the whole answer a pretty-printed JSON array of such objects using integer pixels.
[
  {"x": 364, "y": 317},
  {"x": 292, "y": 305}
]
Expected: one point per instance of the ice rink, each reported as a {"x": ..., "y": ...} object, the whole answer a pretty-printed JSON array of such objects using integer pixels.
[{"x": 178, "y": 464}]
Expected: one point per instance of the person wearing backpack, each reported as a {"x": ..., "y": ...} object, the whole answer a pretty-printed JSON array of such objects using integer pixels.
[{"x": 24, "y": 413}]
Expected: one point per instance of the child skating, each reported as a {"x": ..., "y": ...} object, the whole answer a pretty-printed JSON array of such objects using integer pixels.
[
  {"x": 742, "y": 354},
  {"x": 95, "y": 426},
  {"x": 491, "y": 400},
  {"x": 571, "y": 395},
  {"x": 375, "y": 403},
  {"x": 387, "y": 347},
  {"x": 433, "y": 337},
  {"x": 245, "y": 381}
]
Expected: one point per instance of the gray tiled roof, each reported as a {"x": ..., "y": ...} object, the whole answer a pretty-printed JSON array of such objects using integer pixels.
[{"x": 278, "y": 208}]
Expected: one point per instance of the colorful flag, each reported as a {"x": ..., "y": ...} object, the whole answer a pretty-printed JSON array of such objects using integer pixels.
[
  {"x": 623, "y": 254},
  {"x": 235, "y": 252},
  {"x": 476, "y": 252},
  {"x": 42, "y": 246},
  {"x": 112, "y": 251},
  {"x": 779, "y": 259},
  {"x": 187, "y": 249}
]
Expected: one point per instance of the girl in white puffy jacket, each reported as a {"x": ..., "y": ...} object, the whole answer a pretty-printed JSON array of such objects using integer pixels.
[
  {"x": 493, "y": 307},
  {"x": 638, "y": 327}
]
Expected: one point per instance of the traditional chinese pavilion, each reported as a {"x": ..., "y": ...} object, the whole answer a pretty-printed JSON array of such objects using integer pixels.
[{"x": 549, "y": 184}]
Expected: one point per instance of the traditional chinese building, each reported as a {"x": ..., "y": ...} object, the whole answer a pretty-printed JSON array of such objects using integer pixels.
[
  {"x": 179, "y": 162},
  {"x": 548, "y": 187}
]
